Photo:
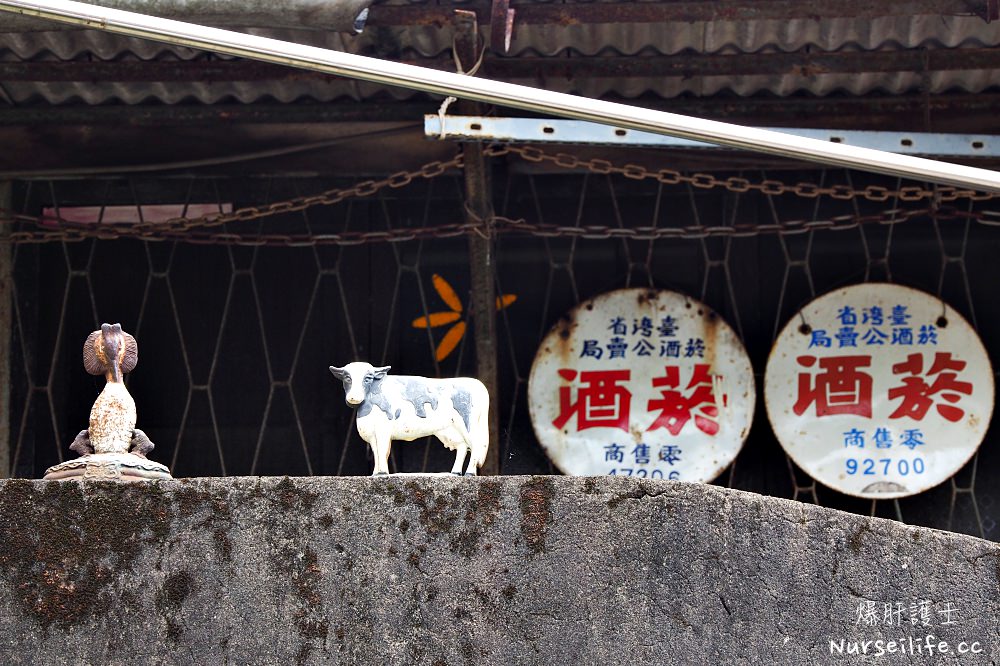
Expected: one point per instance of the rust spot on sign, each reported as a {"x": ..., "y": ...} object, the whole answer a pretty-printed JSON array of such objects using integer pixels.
[{"x": 564, "y": 333}]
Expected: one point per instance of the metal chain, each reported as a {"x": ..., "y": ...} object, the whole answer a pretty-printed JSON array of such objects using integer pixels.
[
  {"x": 167, "y": 229},
  {"x": 365, "y": 188},
  {"x": 787, "y": 228},
  {"x": 942, "y": 194},
  {"x": 499, "y": 224},
  {"x": 286, "y": 240},
  {"x": 188, "y": 230}
]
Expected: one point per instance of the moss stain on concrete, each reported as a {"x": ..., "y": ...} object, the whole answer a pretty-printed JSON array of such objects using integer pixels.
[
  {"x": 536, "y": 512},
  {"x": 175, "y": 589},
  {"x": 437, "y": 515},
  {"x": 68, "y": 546},
  {"x": 218, "y": 517}
]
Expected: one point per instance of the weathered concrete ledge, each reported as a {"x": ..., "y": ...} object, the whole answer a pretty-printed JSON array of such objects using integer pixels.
[{"x": 445, "y": 570}]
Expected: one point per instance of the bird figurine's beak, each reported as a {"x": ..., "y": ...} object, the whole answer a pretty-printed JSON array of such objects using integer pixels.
[{"x": 112, "y": 335}]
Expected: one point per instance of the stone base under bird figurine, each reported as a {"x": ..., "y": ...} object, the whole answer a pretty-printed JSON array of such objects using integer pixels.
[
  {"x": 109, "y": 466},
  {"x": 112, "y": 448}
]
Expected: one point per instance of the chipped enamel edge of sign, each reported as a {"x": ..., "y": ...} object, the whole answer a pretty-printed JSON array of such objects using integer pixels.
[
  {"x": 703, "y": 456},
  {"x": 818, "y": 445}
]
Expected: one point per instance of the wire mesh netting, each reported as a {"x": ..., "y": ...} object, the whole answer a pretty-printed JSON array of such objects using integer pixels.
[{"x": 235, "y": 339}]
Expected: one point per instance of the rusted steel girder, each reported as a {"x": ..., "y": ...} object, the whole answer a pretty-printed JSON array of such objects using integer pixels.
[
  {"x": 765, "y": 64},
  {"x": 748, "y": 64},
  {"x": 953, "y": 112},
  {"x": 665, "y": 12}
]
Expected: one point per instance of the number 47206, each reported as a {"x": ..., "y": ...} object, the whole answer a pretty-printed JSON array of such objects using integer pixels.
[{"x": 673, "y": 475}]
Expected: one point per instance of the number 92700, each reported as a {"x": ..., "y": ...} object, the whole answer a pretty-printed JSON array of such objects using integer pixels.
[{"x": 885, "y": 466}]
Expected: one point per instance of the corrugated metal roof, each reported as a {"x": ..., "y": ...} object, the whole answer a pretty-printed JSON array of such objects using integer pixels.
[
  {"x": 326, "y": 15},
  {"x": 626, "y": 41}
]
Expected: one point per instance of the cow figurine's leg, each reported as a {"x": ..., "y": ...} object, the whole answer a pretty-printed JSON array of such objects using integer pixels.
[
  {"x": 466, "y": 445},
  {"x": 477, "y": 453},
  {"x": 461, "y": 452},
  {"x": 380, "y": 448}
]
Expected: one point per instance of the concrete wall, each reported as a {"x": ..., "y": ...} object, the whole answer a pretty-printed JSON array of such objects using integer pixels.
[{"x": 445, "y": 570}]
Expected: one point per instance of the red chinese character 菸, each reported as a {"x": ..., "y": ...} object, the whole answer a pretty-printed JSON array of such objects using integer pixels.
[
  {"x": 676, "y": 408},
  {"x": 917, "y": 394},
  {"x": 600, "y": 403},
  {"x": 840, "y": 388}
]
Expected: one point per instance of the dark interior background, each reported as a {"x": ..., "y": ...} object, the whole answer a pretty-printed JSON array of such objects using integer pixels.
[
  {"x": 235, "y": 340},
  {"x": 235, "y": 336}
]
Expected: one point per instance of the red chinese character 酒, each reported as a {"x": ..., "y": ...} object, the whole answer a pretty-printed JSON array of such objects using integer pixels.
[
  {"x": 600, "y": 403},
  {"x": 917, "y": 394},
  {"x": 841, "y": 388},
  {"x": 676, "y": 409}
]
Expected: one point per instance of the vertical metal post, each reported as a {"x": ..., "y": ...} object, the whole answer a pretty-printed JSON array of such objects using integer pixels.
[
  {"x": 479, "y": 206},
  {"x": 6, "y": 328}
]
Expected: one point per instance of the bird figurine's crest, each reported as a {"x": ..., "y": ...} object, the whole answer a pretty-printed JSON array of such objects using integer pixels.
[
  {"x": 112, "y": 447},
  {"x": 95, "y": 350}
]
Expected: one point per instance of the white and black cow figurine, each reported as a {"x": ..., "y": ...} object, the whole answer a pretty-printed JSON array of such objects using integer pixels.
[{"x": 401, "y": 407}]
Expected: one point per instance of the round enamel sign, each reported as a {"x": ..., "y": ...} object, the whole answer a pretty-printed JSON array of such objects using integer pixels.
[
  {"x": 641, "y": 382},
  {"x": 879, "y": 391}
]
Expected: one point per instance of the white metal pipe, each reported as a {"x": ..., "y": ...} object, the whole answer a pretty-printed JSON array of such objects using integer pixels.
[{"x": 503, "y": 94}]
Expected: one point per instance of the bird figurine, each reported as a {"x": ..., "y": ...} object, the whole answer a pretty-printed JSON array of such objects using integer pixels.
[
  {"x": 111, "y": 352},
  {"x": 112, "y": 448}
]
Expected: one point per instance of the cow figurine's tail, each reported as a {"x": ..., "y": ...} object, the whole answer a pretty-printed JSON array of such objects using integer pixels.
[{"x": 479, "y": 433}]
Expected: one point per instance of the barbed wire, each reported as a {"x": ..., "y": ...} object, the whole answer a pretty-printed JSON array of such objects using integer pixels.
[{"x": 50, "y": 229}]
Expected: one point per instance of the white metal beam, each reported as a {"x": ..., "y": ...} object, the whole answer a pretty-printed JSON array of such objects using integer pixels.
[
  {"x": 503, "y": 94},
  {"x": 578, "y": 132}
]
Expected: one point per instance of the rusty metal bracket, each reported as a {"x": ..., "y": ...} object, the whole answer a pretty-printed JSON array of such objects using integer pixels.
[
  {"x": 466, "y": 39},
  {"x": 501, "y": 26}
]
